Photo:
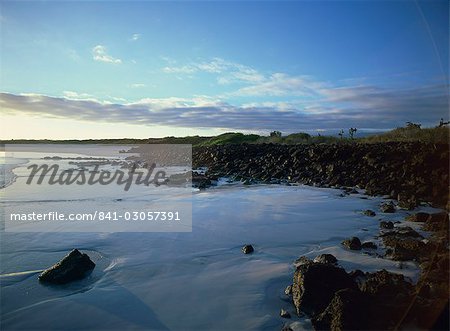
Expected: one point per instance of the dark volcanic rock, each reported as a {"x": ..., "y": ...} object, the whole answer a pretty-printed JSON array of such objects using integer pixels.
[
  {"x": 353, "y": 243},
  {"x": 285, "y": 313},
  {"x": 288, "y": 290},
  {"x": 369, "y": 245},
  {"x": 386, "y": 225},
  {"x": 346, "y": 311},
  {"x": 325, "y": 258},
  {"x": 437, "y": 222},
  {"x": 417, "y": 217},
  {"x": 409, "y": 171},
  {"x": 197, "y": 180},
  {"x": 315, "y": 284},
  {"x": 405, "y": 244},
  {"x": 407, "y": 201},
  {"x": 388, "y": 207},
  {"x": 72, "y": 267},
  {"x": 384, "y": 284},
  {"x": 247, "y": 249},
  {"x": 369, "y": 212},
  {"x": 302, "y": 260},
  {"x": 389, "y": 296}
]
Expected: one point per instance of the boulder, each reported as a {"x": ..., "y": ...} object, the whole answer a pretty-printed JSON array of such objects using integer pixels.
[
  {"x": 386, "y": 225},
  {"x": 385, "y": 284},
  {"x": 346, "y": 311},
  {"x": 404, "y": 244},
  {"x": 325, "y": 258},
  {"x": 314, "y": 286},
  {"x": 353, "y": 243},
  {"x": 302, "y": 260},
  {"x": 369, "y": 245},
  {"x": 72, "y": 267},
  {"x": 404, "y": 249},
  {"x": 387, "y": 207},
  {"x": 288, "y": 290},
  {"x": 402, "y": 231},
  {"x": 286, "y": 328},
  {"x": 437, "y": 222},
  {"x": 247, "y": 249},
  {"x": 407, "y": 201},
  {"x": 417, "y": 217},
  {"x": 369, "y": 212},
  {"x": 285, "y": 313}
]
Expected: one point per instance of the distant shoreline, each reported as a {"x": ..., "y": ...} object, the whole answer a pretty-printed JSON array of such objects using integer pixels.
[{"x": 410, "y": 133}]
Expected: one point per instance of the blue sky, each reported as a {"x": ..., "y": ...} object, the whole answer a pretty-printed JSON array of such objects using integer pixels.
[{"x": 138, "y": 69}]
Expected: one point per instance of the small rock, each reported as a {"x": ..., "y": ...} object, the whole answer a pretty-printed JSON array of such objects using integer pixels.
[
  {"x": 247, "y": 249},
  {"x": 417, "y": 217},
  {"x": 437, "y": 222},
  {"x": 387, "y": 207},
  {"x": 386, "y": 225},
  {"x": 302, "y": 260},
  {"x": 288, "y": 290},
  {"x": 369, "y": 245},
  {"x": 72, "y": 267},
  {"x": 353, "y": 243},
  {"x": 286, "y": 328},
  {"x": 325, "y": 258},
  {"x": 369, "y": 212},
  {"x": 285, "y": 313},
  {"x": 406, "y": 201}
]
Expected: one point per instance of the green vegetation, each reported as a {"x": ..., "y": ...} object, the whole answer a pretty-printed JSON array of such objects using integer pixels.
[
  {"x": 411, "y": 132},
  {"x": 231, "y": 138}
]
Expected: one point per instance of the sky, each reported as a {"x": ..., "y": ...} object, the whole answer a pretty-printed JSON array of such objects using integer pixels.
[{"x": 112, "y": 69}]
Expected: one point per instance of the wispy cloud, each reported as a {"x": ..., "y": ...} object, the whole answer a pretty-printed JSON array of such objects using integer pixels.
[
  {"x": 253, "y": 82},
  {"x": 361, "y": 106},
  {"x": 99, "y": 54},
  {"x": 73, "y": 55},
  {"x": 77, "y": 96},
  {"x": 135, "y": 37},
  {"x": 227, "y": 72},
  {"x": 138, "y": 85},
  {"x": 280, "y": 84}
]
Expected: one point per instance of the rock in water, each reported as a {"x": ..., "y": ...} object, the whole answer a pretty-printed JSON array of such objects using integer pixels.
[
  {"x": 288, "y": 290},
  {"x": 386, "y": 225},
  {"x": 325, "y": 258},
  {"x": 387, "y": 207},
  {"x": 417, "y": 217},
  {"x": 315, "y": 284},
  {"x": 72, "y": 267},
  {"x": 285, "y": 313},
  {"x": 369, "y": 212},
  {"x": 346, "y": 311},
  {"x": 353, "y": 243},
  {"x": 369, "y": 245},
  {"x": 247, "y": 249}
]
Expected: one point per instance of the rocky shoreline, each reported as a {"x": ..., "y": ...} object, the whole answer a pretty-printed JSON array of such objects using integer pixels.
[
  {"x": 335, "y": 299},
  {"x": 410, "y": 173}
]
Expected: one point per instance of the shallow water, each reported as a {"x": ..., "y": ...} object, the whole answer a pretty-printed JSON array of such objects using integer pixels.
[{"x": 195, "y": 280}]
